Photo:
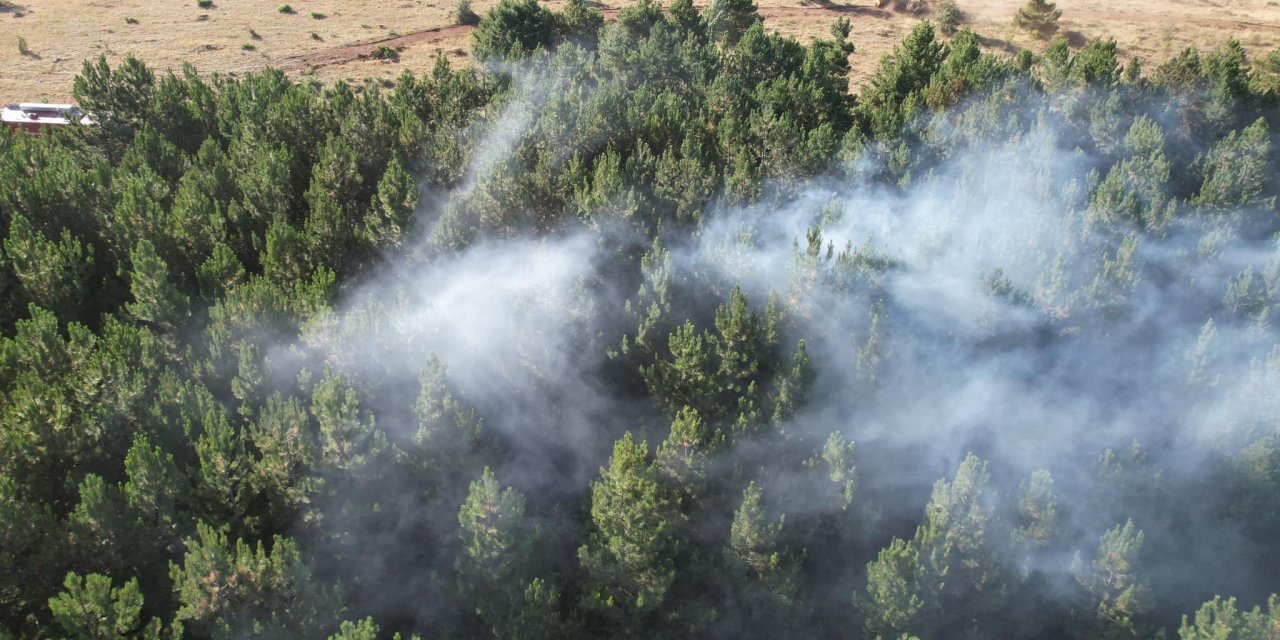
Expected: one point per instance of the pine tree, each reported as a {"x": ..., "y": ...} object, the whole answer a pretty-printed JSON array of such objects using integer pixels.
[
  {"x": 891, "y": 96},
  {"x": 685, "y": 16},
  {"x": 348, "y": 437},
  {"x": 494, "y": 555},
  {"x": 287, "y": 451},
  {"x": 870, "y": 361},
  {"x": 30, "y": 544},
  {"x": 155, "y": 485},
  {"x": 1219, "y": 619},
  {"x": 393, "y": 207},
  {"x": 286, "y": 260},
  {"x": 687, "y": 379},
  {"x": 738, "y": 342},
  {"x": 537, "y": 616},
  {"x": 219, "y": 272},
  {"x": 91, "y": 609},
  {"x": 223, "y": 484},
  {"x": 265, "y": 182},
  {"x": 120, "y": 98},
  {"x": 231, "y": 590},
  {"x": 1235, "y": 171},
  {"x": 450, "y": 439},
  {"x": 578, "y": 22},
  {"x": 895, "y": 603},
  {"x": 333, "y": 198},
  {"x": 683, "y": 456},
  {"x": 628, "y": 559},
  {"x": 99, "y": 521},
  {"x": 728, "y": 20},
  {"x": 156, "y": 300},
  {"x": 949, "y": 577},
  {"x": 958, "y": 543},
  {"x": 514, "y": 29},
  {"x": 1037, "y": 511},
  {"x": 766, "y": 575},
  {"x": 359, "y": 630},
  {"x": 1120, "y": 596},
  {"x": 948, "y": 16},
  {"x": 56, "y": 275},
  {"x": 1038, "y": 16},
  {"x": 836, "y": 464}
]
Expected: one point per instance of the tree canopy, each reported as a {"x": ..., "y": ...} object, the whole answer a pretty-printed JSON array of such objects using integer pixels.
[{"x": 649, "y": 328}]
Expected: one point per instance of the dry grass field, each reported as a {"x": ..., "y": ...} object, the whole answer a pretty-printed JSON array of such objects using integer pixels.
[{"x": 333, "y": 39}]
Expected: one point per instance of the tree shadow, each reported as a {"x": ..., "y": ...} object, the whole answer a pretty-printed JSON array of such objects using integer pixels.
[
  {"x": 17, "y": 10},
  {"x": 1074, "y": 38},
  {"x": 996, "y": 44},
  {"x": 882, "y": 7},
  {"x": 837, "y": 7}
]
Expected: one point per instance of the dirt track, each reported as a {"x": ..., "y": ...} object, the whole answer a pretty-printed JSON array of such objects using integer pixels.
[{"x": 366, "y": 49}]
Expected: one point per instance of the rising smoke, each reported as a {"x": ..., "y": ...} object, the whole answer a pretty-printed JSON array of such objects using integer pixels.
[{"x": 1006, "y": 318}]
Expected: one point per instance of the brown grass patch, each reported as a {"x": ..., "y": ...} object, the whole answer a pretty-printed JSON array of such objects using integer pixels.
[{"x": 168, "y": 33}]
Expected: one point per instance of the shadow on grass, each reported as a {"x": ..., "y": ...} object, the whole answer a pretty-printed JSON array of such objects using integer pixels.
[
  {"x": 837, "y": 7},
  {"x": 997, "y": 44}
]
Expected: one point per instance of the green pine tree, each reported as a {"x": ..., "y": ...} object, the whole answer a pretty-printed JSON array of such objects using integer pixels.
[
  {"x": 628, "y": 558},
  {"x": 156, "y": 300},
  {"x": 495, "y": 552},
  {"x": 1039, "y": 17}
]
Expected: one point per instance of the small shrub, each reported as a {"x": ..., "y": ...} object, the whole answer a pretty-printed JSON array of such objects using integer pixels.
[
  {"x": 204, "y": 4},
  {"x": 465, "y": 15},
  {"x": 22, "y": 46},
  {"x": 318, "y": 16},
  {"x": 131, "y": 20},
  {"x": 284, "y": 8},
  {"x": 316, "y": 36},
  {"x": 254, "y": 34},
  {"x": 948, "y": 16},
  {"x": 248, "y": 46},
  {"x": 383, "y": 52}
]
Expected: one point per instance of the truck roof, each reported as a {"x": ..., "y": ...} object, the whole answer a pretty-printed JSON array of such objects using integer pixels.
[{"x": 42, "y": 113}]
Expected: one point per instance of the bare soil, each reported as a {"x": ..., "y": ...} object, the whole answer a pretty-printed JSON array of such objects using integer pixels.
[{"x": 332, "y": 39}]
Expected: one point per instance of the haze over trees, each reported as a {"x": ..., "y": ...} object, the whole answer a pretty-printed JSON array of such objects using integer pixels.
[{"x": 648, "y": 328}]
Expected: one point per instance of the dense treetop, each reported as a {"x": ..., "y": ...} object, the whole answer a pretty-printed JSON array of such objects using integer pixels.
[{"x": 648, "y": 328}]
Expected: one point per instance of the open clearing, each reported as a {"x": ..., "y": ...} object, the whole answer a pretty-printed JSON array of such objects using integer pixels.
[{"x": 332, "y": 39}]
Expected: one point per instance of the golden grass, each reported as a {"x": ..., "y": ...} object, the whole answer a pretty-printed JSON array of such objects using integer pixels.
[{"x": 316, "y": 39}]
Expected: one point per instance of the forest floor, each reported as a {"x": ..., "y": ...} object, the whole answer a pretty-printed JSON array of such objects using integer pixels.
[{"x": 332, "y": 39}]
